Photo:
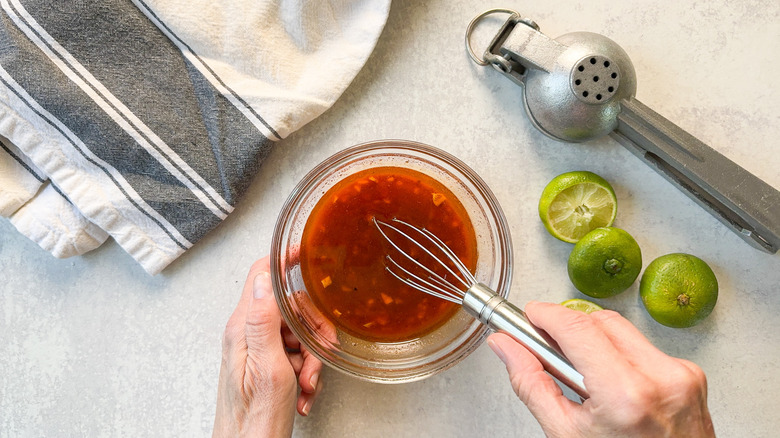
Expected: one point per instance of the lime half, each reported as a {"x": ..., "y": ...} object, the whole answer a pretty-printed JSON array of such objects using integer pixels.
[
  {"x": 679, "y": 290},
  {"x": 575, "y": 203},
  {"x": 581, "y": 305}
]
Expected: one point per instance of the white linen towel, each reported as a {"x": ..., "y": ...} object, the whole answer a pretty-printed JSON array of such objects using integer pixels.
[{"x": 145, "y": 120}]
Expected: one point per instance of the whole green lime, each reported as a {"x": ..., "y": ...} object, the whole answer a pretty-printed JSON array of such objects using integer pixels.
[
  {"x": 679, "y": 290},
  {"x": 605, "y": 262}
]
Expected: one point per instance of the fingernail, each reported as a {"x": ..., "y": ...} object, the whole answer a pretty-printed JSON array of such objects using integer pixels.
[
  {"x": 306, "y": 408},
  {"x": 313, "y": 380},
  {"x": 496, "y": 349},
  {"x": 261, "y": 286}
]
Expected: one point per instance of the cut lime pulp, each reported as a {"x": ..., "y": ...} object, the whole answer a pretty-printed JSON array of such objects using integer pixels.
[
  {"x": 582, "y": 305},
  {"x": 575, "y": 203}
]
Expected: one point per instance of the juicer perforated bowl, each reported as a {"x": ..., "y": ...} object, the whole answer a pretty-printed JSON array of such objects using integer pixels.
[{"x": 385, "y": 362}]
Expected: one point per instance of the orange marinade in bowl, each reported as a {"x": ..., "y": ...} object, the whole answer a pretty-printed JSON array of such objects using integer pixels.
[
  {"x": 343, "y": 254},
  {"x": 328, "y": 259}
]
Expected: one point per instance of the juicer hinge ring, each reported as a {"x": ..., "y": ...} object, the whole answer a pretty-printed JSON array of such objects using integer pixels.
[{"x": 514, "y": 15}]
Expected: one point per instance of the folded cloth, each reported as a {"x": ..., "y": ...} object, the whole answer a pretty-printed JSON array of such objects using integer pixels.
[
  {"x": 146, "y": 119},
  {"x": 39, "y": 208}
]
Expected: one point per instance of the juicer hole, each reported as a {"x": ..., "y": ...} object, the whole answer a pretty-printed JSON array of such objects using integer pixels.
[
  {"x": 581, "y": 68},
  {"x": 611, "y": 89},
  {"x": 606, "y": 63},
  {"x": 577, "y": 82},
  {"x": 592, "y": 60},
  {"x": 598, "y": 97},
  {"x": 584, "y": 94},
  {"x": 595, "y": 78},
  {"x": 614, "y": 75}
]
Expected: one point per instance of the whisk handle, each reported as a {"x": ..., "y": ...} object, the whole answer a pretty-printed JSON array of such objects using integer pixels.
[{"x": 503, "y": 316}]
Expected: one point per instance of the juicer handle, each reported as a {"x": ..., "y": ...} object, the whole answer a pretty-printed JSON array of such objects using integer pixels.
[
  {"x": 503, "y": 316},
  {"x": 742, "y": 201}
]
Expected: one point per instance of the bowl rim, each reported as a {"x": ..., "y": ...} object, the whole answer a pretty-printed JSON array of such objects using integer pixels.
[{"x": 503, "y": 243}]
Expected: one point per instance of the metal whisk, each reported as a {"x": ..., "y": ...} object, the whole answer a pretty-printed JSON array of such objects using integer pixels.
[{"x": 461, "y": 287}]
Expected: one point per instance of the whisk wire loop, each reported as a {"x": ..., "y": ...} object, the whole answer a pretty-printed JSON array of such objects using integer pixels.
[
  {"x": 438, "y": 244},
  {"x": 448, "y": 252},
  {"x": 422, "y": 285}
]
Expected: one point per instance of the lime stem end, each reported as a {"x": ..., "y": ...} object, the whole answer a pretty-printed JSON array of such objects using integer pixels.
[{"x": 613, "y": 266}]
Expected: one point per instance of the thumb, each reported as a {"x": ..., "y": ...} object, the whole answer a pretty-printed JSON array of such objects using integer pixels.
[
  {"x": 263, "y": 321},
  {"x": 535, "y": 388}
]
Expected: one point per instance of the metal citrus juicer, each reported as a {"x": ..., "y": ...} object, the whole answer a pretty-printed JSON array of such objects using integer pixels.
[{"x": 581, "y": 86}]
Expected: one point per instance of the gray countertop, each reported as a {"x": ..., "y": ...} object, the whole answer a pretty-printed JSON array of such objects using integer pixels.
[{"x": 93, "y": 346}]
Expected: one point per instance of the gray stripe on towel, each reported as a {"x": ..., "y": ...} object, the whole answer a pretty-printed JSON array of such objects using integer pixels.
[
  {"x": 147, "y": 10},
  {"x": 52, "y": 90},
  {"x": 35, "y": 174},
  {"x": 21, "y": 162},
  {"x": 108, "y": 174},
  {"x": 142, "y": 68}
]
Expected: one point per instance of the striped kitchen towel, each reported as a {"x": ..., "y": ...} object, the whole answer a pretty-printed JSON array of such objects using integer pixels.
[{"x": 145, "y": 120}]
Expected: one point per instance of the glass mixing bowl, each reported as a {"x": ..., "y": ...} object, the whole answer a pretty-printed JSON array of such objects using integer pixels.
[{"x": 395, "y": 362}]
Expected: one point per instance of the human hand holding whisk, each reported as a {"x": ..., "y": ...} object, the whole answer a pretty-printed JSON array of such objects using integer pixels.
[
  {"x": 628, "y": 387},
  {"x": 635, "y": 389}
]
